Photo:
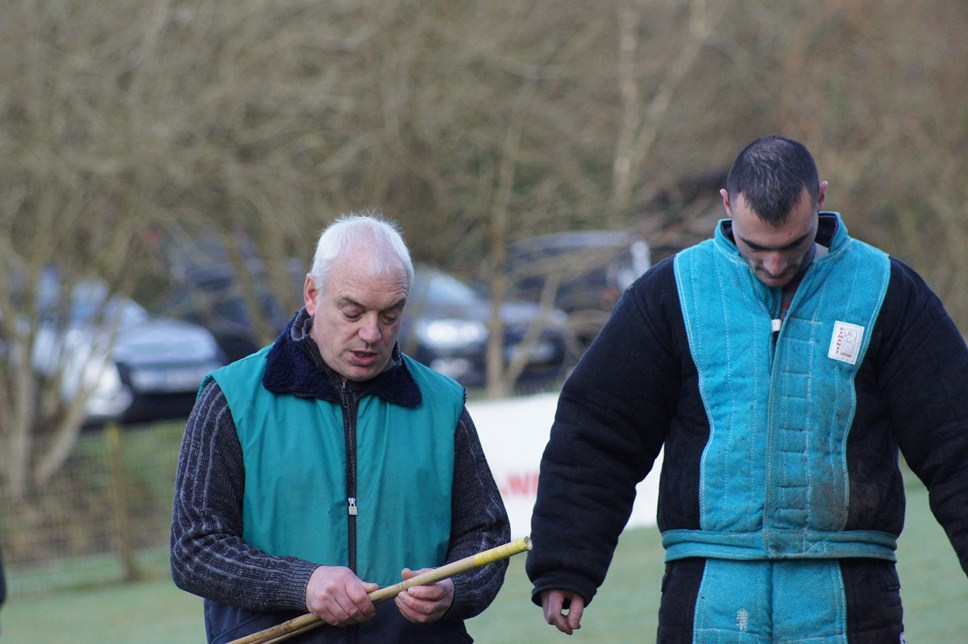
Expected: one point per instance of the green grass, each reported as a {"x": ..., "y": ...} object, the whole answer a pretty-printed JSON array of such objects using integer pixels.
[{"x": 934, "y": 590}]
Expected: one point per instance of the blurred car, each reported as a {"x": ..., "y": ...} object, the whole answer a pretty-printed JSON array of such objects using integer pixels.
[
  {"x": 583, "y": 272},
  {"x": 243, "y": 314},
  {"x": 211, "y": 296},
  {"x": 131, "y": 366},
  {"x": 446, "y": 327}
]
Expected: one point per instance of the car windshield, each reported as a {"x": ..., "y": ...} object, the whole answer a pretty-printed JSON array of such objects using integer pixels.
[
  {"x": 87, "y": 304},
  {"x": 443, "y": 290},
  {"x": 88, "y": 307}
]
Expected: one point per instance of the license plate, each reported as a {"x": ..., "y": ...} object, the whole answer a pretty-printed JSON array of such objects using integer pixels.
[
  {"x": 177, "y": 379},
  {"x": 540, "y": 351}
]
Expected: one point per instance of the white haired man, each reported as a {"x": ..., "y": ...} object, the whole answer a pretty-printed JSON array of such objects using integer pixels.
[{"x": 329, "y": 464}]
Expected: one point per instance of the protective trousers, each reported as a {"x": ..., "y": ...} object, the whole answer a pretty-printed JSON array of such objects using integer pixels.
[{"x": 821, "y": 601}]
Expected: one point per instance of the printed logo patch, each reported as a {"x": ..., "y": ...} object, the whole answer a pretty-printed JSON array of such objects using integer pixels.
[{"x": 845, "y": 342}]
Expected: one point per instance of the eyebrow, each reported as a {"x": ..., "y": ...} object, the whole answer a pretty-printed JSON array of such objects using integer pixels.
[
  {"x": 348, "y": 301},
  {"x": 796, "y": 242}
]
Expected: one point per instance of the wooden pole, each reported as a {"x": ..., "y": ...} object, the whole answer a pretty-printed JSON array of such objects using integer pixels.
[
  {"x": 303, "y": 623},
  {"x": 119, "y": 483}
]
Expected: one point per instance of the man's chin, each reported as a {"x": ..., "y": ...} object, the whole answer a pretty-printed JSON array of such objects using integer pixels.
[
  {"x": 362, "y": 372},
  {"x": 774, "y": 282}
]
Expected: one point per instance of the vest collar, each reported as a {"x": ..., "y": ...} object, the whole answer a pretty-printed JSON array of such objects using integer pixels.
[
  {"x": 831, "y": 232},
  {"x": 294, "y": 366}
]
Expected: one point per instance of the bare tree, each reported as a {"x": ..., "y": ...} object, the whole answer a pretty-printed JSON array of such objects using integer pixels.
[
  {"x": 474, "y": 124},
  {"x": 67, "y": 199},
  {"x": 885, "y": 116}
]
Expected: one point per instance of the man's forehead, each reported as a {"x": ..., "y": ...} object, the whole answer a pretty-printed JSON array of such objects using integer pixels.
[
  {"x": 369, "y": 291},
  {"x": 804, "y": 201},
  {"x": 757, "y": 233},
  {"x": 348, "y": 272}
]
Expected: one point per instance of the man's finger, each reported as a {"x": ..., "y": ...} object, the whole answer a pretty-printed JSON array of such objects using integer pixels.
[
  {"x": 575, "y": 610},
  {"x": 563, "y": 610}
]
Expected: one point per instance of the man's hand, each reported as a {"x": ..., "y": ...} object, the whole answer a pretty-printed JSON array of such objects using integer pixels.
[
  {"x": 424, "y": 604},
  {"x": 563, "y": 609},
  {"x": 338, "y": 597}
]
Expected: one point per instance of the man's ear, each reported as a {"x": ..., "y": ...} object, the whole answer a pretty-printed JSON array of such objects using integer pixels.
[
  {"x": 725, "y": 196},
  {"x": 310, "y": 294}
]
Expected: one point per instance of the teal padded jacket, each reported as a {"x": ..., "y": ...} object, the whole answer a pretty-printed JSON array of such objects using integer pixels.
[{"x": 833, "y": 485}]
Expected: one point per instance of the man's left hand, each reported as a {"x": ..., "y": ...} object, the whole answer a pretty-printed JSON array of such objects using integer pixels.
[{"x": 425, "y": 604}]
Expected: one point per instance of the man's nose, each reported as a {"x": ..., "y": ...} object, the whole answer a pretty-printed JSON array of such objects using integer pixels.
[
  {"x": 370, "y": 330},
  {"x": 774, "y": 264}
]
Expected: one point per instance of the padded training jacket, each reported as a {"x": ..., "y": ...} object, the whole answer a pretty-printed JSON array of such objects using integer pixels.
[{"x": 777, "y": 445}]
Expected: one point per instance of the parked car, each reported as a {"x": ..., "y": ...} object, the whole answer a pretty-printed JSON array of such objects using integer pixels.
[
  {"x": 584, "y": 272},
  {"x": 134, "y": 367},
  {"x": 243, "y": 314},
  {"x": 446, "y": 327},
  {"x": 211, "y": 295}
]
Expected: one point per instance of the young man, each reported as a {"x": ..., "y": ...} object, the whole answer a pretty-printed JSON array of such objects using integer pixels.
[
  {"x": 781, "y": 365},
  {"x": 329, "y": 464}
]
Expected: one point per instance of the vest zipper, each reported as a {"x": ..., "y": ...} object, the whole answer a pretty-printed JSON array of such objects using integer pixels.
[{"x": 349, "y": 433}]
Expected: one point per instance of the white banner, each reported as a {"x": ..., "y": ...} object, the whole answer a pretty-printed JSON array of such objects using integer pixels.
[{"x": 514, "y": 433}]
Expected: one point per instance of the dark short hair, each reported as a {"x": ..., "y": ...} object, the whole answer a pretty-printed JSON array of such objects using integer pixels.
[{"x": 771, "y": 173}]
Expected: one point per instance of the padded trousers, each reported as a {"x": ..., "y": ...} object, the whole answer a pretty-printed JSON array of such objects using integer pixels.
[{"x": 820, "y": 601}]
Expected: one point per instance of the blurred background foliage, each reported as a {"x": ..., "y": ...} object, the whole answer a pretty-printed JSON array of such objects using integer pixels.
[
  {"x": 472, "y": 123},
  {"x": 127, "y": 127}
]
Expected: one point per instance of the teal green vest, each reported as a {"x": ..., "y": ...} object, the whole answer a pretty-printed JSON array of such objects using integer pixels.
[
  {"x": 773, "y": 477},
  {"x": 295, "y": 472}
]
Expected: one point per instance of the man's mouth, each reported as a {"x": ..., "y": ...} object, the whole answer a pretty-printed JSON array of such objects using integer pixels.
[
  {"x": 363, "y": 356},
  {"x": 784, "y": 275}
]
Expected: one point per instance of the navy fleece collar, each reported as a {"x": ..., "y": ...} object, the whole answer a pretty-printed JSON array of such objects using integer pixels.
[{"x": 294, "y": 366}]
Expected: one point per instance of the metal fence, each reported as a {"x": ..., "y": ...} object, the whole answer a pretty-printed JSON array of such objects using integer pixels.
[{"x": 99, "y": 518}]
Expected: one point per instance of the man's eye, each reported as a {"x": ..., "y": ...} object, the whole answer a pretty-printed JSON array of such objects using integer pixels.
[{"x": 351, "y": 315}]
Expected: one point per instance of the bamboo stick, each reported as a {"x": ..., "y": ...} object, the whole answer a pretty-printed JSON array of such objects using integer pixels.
[{"x": 303, "y": 623}]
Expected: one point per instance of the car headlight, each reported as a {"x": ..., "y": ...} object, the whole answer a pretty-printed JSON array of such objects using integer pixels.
[
  {"x": 450, "y": 333},
  {"x": 109, "y": 396}
]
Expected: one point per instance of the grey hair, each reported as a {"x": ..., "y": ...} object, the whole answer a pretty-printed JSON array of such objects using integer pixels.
[{"x": 387, "y": 254}]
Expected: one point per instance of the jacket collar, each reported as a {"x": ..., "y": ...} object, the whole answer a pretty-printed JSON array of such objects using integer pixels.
[
  {"x": 831, "y": 231},
  {"x": 294, "y": 366}
]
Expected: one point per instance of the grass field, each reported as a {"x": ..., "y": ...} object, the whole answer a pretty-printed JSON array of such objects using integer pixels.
[{"x": 934, "y": 589}]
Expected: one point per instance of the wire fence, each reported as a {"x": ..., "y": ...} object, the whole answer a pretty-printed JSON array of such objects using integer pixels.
[
  {"x": 105, "y": 517},
  {"x": 99, "y": 518}
]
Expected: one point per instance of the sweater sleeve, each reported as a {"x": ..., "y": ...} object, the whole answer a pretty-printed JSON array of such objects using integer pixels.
[
  {"x": 479, "y": 522},
  {"x": 613, "y": 415},
  {"x": 924, "y": 377},
  {"x": 208, "y": 556}
]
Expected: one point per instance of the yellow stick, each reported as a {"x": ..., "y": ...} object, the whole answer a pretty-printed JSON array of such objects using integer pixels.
[{"x": 303, "y": 623}]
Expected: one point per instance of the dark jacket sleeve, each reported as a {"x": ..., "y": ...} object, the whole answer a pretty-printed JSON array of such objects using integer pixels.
[
  {"x": 612, "y": 418},
  {"x": 924, "y": 377},
  {"x": 479, "y": 522},
  {"x": 208, "y": 556}
]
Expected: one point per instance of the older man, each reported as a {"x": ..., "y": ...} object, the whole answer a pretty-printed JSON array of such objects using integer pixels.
[{"x": 329, "y": 464}]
